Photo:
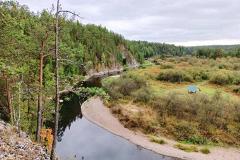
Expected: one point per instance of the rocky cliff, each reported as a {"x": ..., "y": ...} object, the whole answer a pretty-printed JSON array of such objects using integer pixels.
[{"x": 18, "y": 146}]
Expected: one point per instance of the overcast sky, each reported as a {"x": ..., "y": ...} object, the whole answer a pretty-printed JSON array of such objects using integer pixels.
[{"x": 182, "y": 22}]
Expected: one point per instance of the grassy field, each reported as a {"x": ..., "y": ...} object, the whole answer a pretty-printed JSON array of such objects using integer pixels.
[
  {"x": 154, "y": 100},
  {"x": 151, "y": 70}
]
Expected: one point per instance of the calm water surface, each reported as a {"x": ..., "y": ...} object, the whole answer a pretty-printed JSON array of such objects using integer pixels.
[{"x": 79, "y": 139}]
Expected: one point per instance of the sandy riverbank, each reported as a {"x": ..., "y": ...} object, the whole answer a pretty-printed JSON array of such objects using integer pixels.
[{"x": 95, "y": 111}]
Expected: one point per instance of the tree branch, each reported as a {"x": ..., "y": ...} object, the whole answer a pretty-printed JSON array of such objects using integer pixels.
[{"x": 75, "y": 14}]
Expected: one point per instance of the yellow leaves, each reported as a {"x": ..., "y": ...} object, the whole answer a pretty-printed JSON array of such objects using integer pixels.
[{"x": 47, "y": 138}]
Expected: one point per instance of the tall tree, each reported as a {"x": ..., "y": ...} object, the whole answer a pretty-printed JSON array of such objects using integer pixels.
[{"x": 56, "y": 85}]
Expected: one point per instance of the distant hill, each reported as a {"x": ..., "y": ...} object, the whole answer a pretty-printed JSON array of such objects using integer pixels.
[{"x": 224, "y": 47}]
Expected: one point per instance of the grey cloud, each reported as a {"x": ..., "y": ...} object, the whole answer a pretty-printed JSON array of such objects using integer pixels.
[{"x": 159, "y": 20}]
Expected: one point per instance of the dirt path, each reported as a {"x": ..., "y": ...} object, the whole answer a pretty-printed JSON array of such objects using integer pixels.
[{"x": 95, "y": 111}]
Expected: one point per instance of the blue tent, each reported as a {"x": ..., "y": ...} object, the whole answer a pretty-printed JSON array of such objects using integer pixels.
[{"x": 192, "y": 89}]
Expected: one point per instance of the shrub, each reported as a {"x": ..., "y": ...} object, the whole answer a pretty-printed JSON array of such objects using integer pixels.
[
  {"x": 196, "y": 118},
  {"x": 197, "y": 140},
  {"x": 156, "y": 140},
  {"x": 187, "y": 148},
  {"x": 184, "y": 130},
  {"x": 236, "y": 90},
  {"x": 174, "y": 76},
  {"x": 222, "y": 78},
  {"x": 124, "y": 86},
  {"x": 166, "y": 66},
  {"x": 86, "y": 92},
  {"x": 236, "y": 67},
  {"x": 226, "y": 77},
  {"x": 205, "y": 150},
  {"x": 198, "y": 74},
  {"x": 236, "y": 79},
  {"x": 116, "y": 110},
  {"x": 142, "y": 95}
]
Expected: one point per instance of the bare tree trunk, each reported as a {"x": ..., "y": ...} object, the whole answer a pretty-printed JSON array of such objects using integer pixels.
[
  {"x": 28, "y": 104},
  {"x": 19, "y": 111},
  {"x": 10, "y": 108},
  {"x": 53, "y": 156},
  {"x": 39, "y": 113}
]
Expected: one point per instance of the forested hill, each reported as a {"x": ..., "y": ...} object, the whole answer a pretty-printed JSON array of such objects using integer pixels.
[
  {"x": 27, "y": 47},
  {"x": 25, "y": 34},
  {"x": 27, "y": 62}
]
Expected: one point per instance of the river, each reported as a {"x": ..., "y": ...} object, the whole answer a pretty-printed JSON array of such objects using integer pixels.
[{"x": 80, "y": 139}]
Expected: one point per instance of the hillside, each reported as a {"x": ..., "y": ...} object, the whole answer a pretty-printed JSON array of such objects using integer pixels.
[
  {"x": 15, "y": 147},
  {"x": 27, "y": 47}
]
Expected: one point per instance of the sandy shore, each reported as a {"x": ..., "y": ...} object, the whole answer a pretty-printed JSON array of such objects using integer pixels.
[{"x": 95, "y": 111}]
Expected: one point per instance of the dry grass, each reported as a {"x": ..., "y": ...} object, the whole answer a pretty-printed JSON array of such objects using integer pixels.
[
  {"x": 182, "y": 116},
  {"x": 156, "y": 140},
  {"x": 187, "y": 148}
]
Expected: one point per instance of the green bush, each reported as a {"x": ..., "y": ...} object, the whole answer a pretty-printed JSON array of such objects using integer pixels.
[
  {"x": 222, "y": 78},
  {"x": 156, "y": 140},
  {"x": 174, "y": 76},
  {"x": 166, "y": 66},
  {"x": 198, "y": 74},
  {"x": 142, "y": 95},
  {"x": 184, "y": 130},
  {"x": 196, "y": 118},
  {"x": 236, "y": 90},
  {"x": 205, "y": 150},
  {"x": 92, "y": 91},
  {"x": 197, "y": 140},
  {"x": 187, "y": 148},
  {"x": 226, "y": 77},
  {"x": 124, "y": 86},
  {"x": 236, "y": 79}
]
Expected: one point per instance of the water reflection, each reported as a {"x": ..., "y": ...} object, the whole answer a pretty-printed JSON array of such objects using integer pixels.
[
  {"x": 69, "y": 112},
  {"x": 80, "y": 139}
]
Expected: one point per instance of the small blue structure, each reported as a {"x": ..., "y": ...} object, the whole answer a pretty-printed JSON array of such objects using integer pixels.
[{"x": 193, "y": 89}]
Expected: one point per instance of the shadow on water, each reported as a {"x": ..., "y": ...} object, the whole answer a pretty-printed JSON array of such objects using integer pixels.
[
  {"x": 79, "y": 139},
  {"x": 69, "y": 112}
]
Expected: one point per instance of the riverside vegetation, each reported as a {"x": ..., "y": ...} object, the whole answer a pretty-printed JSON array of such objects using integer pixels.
[
  {"x": 155, "y": 100},
  {"x": 157, "y": 90},
  {"x": 27, "y": 61}
]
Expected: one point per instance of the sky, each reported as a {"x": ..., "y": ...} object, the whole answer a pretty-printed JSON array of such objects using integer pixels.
[{"x": 180, "y": 22}]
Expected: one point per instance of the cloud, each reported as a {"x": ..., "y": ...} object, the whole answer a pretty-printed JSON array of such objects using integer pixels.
[{"x": 174, "y": 21}]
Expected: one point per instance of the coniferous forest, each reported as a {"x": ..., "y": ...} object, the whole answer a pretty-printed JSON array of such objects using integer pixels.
[{"x": 27, "y": 65}]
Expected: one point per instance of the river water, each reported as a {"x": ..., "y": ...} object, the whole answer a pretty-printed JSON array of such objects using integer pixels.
[{"x": 80, "y": 139}]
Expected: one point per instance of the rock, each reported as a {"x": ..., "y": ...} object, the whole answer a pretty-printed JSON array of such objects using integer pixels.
[{"x": 13, "y": 147}]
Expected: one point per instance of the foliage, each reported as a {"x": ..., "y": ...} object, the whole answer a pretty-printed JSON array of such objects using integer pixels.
[
  {"x": 166, "y": 66},
  {"x": 236, "y": 90},
  {"x": 142, "y": 95},
  {"x": 195, "y": 139},
  {"x": 226, "y": 77},
  {"x": 124, "y": 86},
  {"x": 205, "y": 150},
  {"x": 184, "y": 130},
  {"x": 173, "y": 75},
  {"x": 156, "y": 140},
  {"x": 210, "y": 114},
  {"x": 187, "y": 148},
  {"x": 198, "y": 74},
  {"x": 143, "y": 49},
  {"x": 92, "y": 91}
]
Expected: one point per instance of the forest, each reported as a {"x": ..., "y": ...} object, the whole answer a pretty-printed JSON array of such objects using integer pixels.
[{"x": 27, "y": 46}]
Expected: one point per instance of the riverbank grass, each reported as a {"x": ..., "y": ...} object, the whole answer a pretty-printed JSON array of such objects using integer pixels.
[
  {"x": 187, "y": 148},
  {"x": 205, "y": 150},
  {"x": 156, "y": 140}
]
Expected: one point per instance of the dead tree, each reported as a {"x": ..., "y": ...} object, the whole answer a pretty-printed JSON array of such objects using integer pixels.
[{"x": 53, "y": 156}]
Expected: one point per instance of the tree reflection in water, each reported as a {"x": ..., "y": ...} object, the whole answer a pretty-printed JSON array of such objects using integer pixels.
[{"x": 70, "y": 111}]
